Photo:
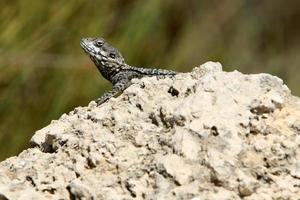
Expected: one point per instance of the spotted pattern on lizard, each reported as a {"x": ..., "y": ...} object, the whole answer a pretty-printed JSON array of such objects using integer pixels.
[{"x": 112, "y": 66}]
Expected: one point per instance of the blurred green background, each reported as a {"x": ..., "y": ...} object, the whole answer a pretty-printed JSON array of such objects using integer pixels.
[{"x": 44, "y": 73}]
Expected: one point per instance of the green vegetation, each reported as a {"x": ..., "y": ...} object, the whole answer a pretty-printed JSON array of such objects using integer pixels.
[{"x": 44, "y": 73}]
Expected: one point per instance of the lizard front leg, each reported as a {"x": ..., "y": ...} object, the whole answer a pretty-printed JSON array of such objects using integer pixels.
[{"x": 116, "y": 90}]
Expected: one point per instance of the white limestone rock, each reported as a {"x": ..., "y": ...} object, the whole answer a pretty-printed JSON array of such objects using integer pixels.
[{"x": 207, "y": 134}]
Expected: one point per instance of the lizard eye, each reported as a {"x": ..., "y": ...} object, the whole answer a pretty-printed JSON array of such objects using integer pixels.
[
  {"x": 99, "y": 43},
  {"x": 112, "y": 55}
]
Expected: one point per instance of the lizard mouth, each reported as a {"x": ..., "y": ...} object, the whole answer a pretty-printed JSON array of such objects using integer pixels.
[{"x": 87, "y": 48}]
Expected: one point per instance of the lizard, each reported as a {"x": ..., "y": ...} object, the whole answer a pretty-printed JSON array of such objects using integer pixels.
[{"x": 113, "y": 67}]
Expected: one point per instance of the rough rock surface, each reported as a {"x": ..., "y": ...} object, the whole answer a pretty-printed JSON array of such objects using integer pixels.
[{"x": 207, "y": 134}]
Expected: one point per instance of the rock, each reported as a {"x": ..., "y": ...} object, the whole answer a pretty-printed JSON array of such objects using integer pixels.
[{"x": 207, "y": 134}]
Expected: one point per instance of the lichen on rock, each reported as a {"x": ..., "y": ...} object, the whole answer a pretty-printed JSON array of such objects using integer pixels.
[{"x": 207, "y": 134}]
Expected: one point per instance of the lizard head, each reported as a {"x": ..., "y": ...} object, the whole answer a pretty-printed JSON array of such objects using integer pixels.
[{"x": 102, "y": 53}]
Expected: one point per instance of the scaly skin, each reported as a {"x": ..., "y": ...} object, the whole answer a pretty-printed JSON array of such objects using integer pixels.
[{"x": 112, "y": 66}]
